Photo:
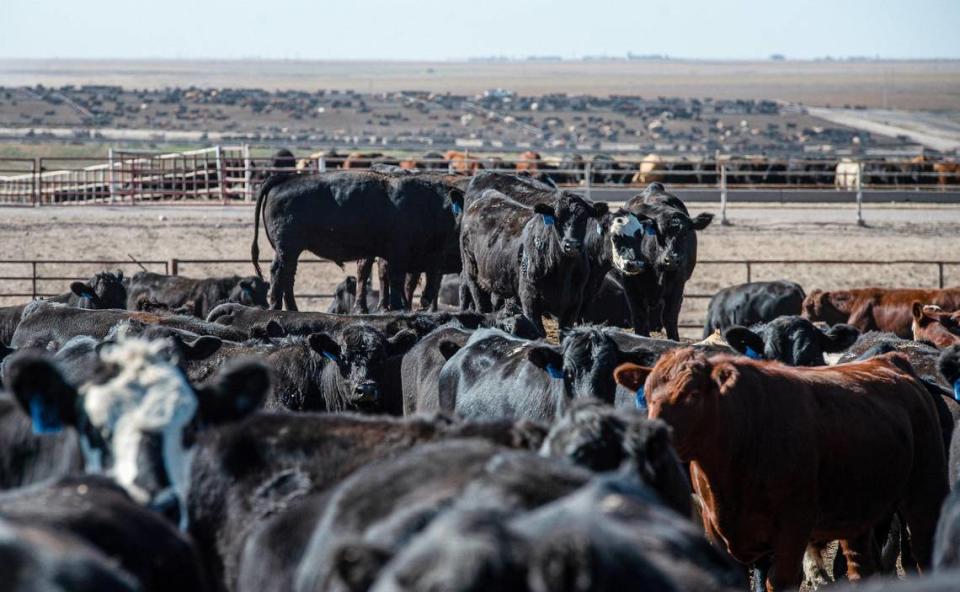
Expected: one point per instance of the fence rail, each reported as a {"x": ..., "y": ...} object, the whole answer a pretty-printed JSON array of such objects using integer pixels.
[
  {"x": 39, "y": 281},
  {"x": 228, "y": 174}
]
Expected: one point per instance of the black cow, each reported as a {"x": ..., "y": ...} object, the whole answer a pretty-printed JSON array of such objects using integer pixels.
[
  {"x": 345, "y": 297},
  {"x": 103, "y": 290},
  {"x": 656, "y": 294},
  {"x": 498, "y": 375},
  {"x": 246, "y": 472},
  {"x": 534, "y": 254},
  {"x": 49, "y": 325},
  {"x": 612, "y": 534},
  {"x": 751, "y": 304},
  {"x": 949, "y": 366},
  {"x": 132, "y": 419},
  {"x": 96, "y": 512},
  {"x": 199, "y": 296},
  {"x": 39, "y": 558},
  {"x": 409, "y": 220},
  {"x": 793, "y": 340}
]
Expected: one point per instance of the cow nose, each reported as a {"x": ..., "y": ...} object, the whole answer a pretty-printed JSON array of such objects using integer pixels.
[
  {"x": 632, "y": 267},
  {"x": 366, "y": 392},
  {"x": 571, "y": 244},
  {"x": 167, "y": 505}
]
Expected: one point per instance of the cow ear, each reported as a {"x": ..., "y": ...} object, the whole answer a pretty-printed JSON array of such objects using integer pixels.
[
  {"x": 456, "y": 201},
  {"x": 600, "y": 209},
  {"x": 202, "y": 347},
  {"x": 701, "y": 221},
  {"x": 358, "y": 564},
  {"x": 82, "y": 290},
  {"x": 640, "y": 357},
  {"x": 547, "y": 359},
  {"x": 744, "y": 341},
  {"x": 917, "y": 308},
  {"x": 724, "y": 375},
  {"x": 631, "y": 376},
  {"x": 544, "y": 209},
  {"x": 233, "y": 393},
  {"x": 838, "y": 338},
  {"x": 41, "y": 391},
  {"x": 325, "y": 345},
  {"x": 274, "y": 330},
  {"x": 448, "y": 348},
  {"x": 949, "y": 365},
  {"x": 400, "y": 343}
]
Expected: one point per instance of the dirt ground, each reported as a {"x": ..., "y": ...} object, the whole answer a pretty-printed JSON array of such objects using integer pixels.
[{"x": 156, "y": 234}]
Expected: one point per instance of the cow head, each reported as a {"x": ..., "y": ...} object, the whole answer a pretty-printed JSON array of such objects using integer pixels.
[
  {"x": 567, "y": 219},
  {"x": 356, "y": 361},
  {"x": 792, "y": 340},
  {"x": 949, "y": 366},
  {"x": 684, "y": 390},
  {"x": 669, "y": 241},
  {"x": 624, "y": 233},
  {"x": 137, "y": 416},
  {"x": 103, "y": 290},
  {"x": 827, "y": 307},
  {"x": 932, "y": 323},
  {"x": 250, "y": 291},
  {"x": 585, "y": 362}
]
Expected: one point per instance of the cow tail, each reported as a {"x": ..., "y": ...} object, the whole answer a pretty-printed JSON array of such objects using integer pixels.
[{"x": 269, "y": 184}]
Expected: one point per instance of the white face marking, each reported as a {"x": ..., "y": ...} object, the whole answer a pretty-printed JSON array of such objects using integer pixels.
[
  {"x": 627, "y": 225},
  {"x": 149, "y": 395}
]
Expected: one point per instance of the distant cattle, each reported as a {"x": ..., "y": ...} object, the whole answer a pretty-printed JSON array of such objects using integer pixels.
[
  {"x": 345, "y": 297},
  {"x": 409, "y": 220},
  {"x": 670, "y": 248},
  {"x": 752, "y": 303},
  {"x": 535, "y": 255},
  {"x": 933, "y": 324},
  {"x": 198, "y": 296},
  {"x": 876, "y": 309},
  {"x": 103, "y": 290},
  {"x": 818, "y": 438}
]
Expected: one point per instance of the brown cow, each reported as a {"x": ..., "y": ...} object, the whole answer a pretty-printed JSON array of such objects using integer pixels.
[
  {"x": 932, "y": 323},
  {"x": 785, "y": 456},
  {"x": 461, "y": 162},
  {"x": 529, "y": 161},
  {"x": 876, "y": 309},
  {"x": 948, "y": 173}
]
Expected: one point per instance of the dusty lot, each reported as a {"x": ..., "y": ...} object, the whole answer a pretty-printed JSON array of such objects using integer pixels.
[{"x": 758, "y": 232}]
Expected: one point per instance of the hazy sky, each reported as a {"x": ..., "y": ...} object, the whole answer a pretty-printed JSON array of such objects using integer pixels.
[{"x": 450, "y": 29}]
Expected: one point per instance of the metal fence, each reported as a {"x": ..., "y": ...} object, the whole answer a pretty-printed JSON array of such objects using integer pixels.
[
  {"x": 44, "y": 278},
  {"x": 228, "y": 174}
]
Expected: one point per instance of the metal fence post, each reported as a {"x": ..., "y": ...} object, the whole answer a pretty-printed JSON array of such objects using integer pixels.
[
  {"x": 33, "y": 280},
  {"x": 220, "y": 175},
  {"x": 860, "y": 194},
  {"x": 174, "y": 267},
  {"x": 321, "y": 164},
  {"x": 749, "y": 271},
  {"x": 723, "y": 196},
  {"x": 35, "y": 194},
  {"x": 940, "y": 274},
  {"x": 587, "y": 179}
]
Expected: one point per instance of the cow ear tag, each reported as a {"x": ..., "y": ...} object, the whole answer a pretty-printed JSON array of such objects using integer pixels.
[
  {"x": 651, "y": 231},
  {"x": 548, "y": 220},
  {"x": 599, "y": 228},
  {"x": 457, "y": 208},
  {"x": 331, "y": 357},
  {"x": 554, "y": 372},
  {"x": 753, "y": 355},
  {"x": 46, "y": 420},
  {"x": 956, "y": 389},
  {"x": 641, "y": 400}
]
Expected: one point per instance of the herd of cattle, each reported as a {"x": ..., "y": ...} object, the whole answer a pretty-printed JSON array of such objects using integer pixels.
[{"x": 163, "y": 433}]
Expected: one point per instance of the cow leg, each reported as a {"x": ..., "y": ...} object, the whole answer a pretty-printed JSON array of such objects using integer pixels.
[
  {"x": 410, "y": 286},
  {"x": 364, "y": 268},
  {"x": 860, "y": 554},
  {"x": 814, "y": 570},
  {"x": 383, "y": 273},
  {"x": 282, "y": 272},
  {"x": 431, "y": 291},
  {"x": 288, "y": 299},
  {"x": 670, "y": 314},
  {"x": 920, "y": 512},
  {"x": 786, "y": 568},
  {"x": 532, "y": 307},
  {"x": 466, "y": 300},
  {"x": 397, "y": 278},
  {"x": 757, "y": 574},
  {"x": 480, "y": 298}
]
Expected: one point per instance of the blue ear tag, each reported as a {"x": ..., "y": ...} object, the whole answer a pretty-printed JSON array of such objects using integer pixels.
[
  {"x": 651, "y": 230},
  {"x": 752, "y": 354},
  {"x": 956, "y": 390},
  {"x": 599, "y": 228},
  {"x": 457, "y": 208},
  {"x": 548, "y": 220},
  {"x": 330, "y": 357},
  {"x": 554, "y": 372},
  {"x": 641, "y": 400},
  {"x": 46, "y": 420}
]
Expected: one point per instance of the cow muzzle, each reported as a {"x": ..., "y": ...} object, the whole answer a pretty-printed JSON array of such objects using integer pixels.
[
  {"x": 631, "y": 267},
  {"x": 366, "y": 393},
  {"x": 570, "y": 246}
]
